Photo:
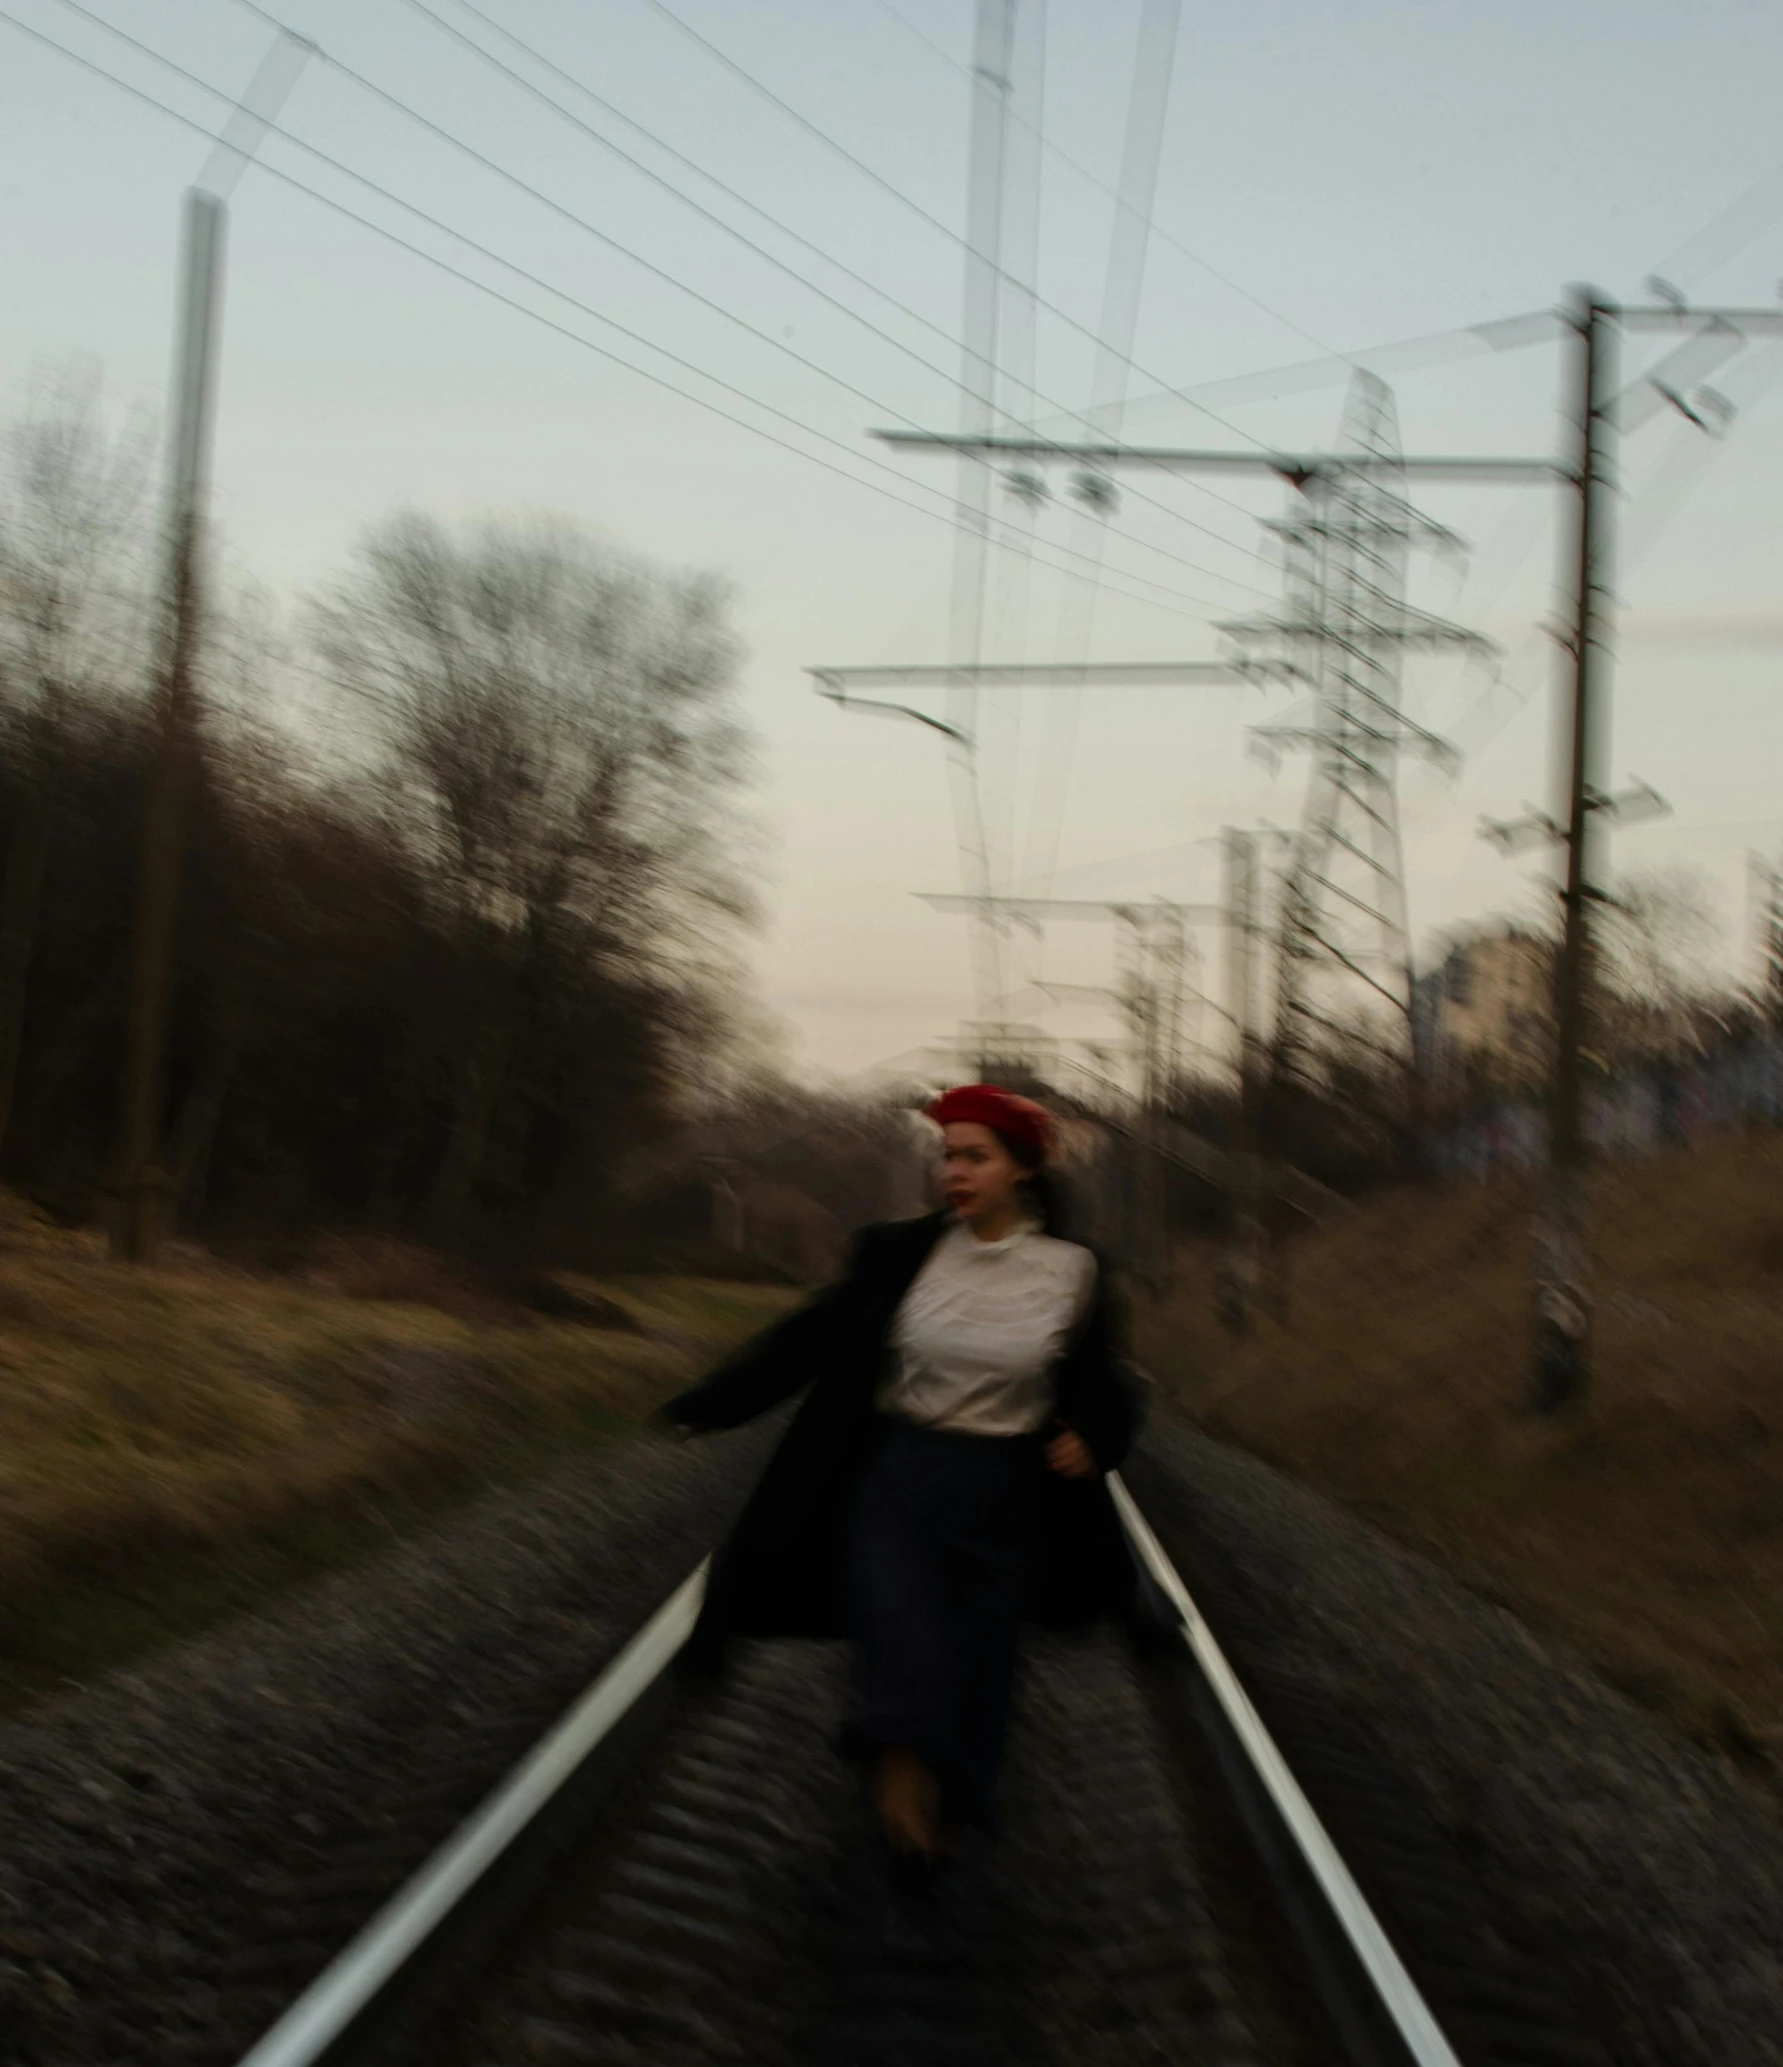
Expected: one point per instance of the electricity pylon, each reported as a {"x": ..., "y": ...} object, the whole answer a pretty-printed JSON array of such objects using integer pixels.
[{"x": 1342, "y": 633}]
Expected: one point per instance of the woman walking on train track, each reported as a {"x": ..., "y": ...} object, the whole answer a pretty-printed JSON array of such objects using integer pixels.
[{"x": 943, "y": 1477}]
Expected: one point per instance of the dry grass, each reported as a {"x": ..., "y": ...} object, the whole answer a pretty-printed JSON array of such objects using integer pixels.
[
  {"x": 197, "y": 1411},
  {"x": 1648, "y": 1529}
]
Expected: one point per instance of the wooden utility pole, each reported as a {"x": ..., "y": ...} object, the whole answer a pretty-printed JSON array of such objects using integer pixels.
[
  {"x": 141, "y": 1192},
  {"x": 1562, "y": 1298}
]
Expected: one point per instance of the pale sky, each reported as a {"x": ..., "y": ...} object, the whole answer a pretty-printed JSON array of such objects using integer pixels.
[{"x": 1365, "y": 175}]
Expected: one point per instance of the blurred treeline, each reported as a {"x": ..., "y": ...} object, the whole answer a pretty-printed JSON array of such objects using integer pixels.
[
  {"x": 774, "y": 1178},
  {"x": 466, "y": 872},
  {"x": 458, "y": 923}
]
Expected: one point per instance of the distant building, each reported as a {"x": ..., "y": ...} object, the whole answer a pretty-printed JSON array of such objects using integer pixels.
[{"x": 1485, "y": 1011}]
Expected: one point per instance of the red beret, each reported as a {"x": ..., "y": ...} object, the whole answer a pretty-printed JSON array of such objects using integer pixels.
[{"x": 989, "y": 1105}]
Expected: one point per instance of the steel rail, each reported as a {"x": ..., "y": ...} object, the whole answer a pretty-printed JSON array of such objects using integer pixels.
[
  {"x": 1415, "y": 2027},
  {"x": 325, "y": 2014},
  {"x": 329, "y": 2020}
]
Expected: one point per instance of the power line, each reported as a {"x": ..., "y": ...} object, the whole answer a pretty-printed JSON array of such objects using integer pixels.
[
  {"x": 706, "y": 301},
  {"x": 487, "y": 251},
  {"x": 730, "y": 230},
  {"x": 584, "y": 308},
  {"x": 1655, "y": 505},
  {"x": 1437, "y": 348},
  {"x": 1077, "y": 165},
  {"x": 581, "y": 223},
  {"x": 502, "y": 172},
  {"x": 1726, "y": 233},
  {"x": 860, "y": 165},
  {"x": 891, "y": 187},
  {"x": 550, "y": 323},
  {"x": 1129, "y": 245},
  {"x": 681, "y": 158}
]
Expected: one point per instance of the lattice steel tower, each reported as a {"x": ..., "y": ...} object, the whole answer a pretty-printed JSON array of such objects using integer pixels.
[{"x": 1341, "y": 636}]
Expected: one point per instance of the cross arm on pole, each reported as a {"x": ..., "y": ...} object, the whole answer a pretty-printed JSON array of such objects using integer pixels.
[
  {"x": 1298, "y": 468},
  {"x": 1685, "y": 316},
  {"x": 1536, "y": 828},
  {"x": 1441, "y": 752},
  {"x": 1405, "y": 627}
]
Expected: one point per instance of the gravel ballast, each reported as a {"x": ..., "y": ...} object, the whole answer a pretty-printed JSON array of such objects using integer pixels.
[
  {"x": 182, "y": 1845},
  {"x": 1640, "y": 1870}
]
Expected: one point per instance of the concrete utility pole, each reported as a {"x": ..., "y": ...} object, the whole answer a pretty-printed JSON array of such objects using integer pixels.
[
  {"x": 1562, "y": 1302},
  {"x": 142, "y": 1191},
  {"x": 1600, "y": 412},
  {"x": 140, "y": 1196}
]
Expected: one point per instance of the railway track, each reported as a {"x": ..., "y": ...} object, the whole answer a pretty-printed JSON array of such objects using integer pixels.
[{"x": 681, "y": 1873}]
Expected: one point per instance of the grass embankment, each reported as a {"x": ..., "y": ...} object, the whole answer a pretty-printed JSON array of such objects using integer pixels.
[
  {"x": 177, "y": 1443},
  {"x": 1646, "y": 1528}
]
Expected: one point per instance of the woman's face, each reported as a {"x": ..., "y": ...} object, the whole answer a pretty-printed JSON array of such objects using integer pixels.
[{"x": 978, "y": 1174}]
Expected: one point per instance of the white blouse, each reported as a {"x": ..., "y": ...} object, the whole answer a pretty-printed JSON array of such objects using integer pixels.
[{"x": 976, "y": 1336}]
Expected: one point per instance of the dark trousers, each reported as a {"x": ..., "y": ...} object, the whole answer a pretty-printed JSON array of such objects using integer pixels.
[{"x": 940, "y": 1558}]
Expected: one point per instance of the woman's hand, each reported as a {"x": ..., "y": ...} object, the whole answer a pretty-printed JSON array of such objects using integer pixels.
[{"x": 1069, "y": 1455}]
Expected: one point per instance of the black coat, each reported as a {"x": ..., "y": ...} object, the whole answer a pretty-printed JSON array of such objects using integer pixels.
[{"x": 781, "y": 1571}]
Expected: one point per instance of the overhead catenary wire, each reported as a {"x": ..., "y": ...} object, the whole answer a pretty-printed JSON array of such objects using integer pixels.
[
  {"x": 591, "y": 229},
  {"x": 1726, "y": 234},
  {"x": 1401, "y": 355},
  {"x": 909, "y": 202},
  {"x": 1692, "y": 452},
  {"x": 778, "y": 344},
  {"x": 984, "y": 288},
  {"x": 1129, "y": 242},
  {"x": 577, "y": 85},
  {"x": 999, "y": 721},
  {"x": 1668, "y": 487},
  {"x": 1055, "y": 149},
  {"x": 490, "y": 164},
  {"x": 669, "y": 150},
  {"x": 1174, "y": 598},
  {"x": 587, "y": 344}
]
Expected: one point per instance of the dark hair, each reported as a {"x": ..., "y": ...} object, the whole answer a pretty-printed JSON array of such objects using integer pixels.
[{"x": 1040, "y": 1185}]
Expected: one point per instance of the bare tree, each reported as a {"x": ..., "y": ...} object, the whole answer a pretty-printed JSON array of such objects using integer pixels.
[
  {"x": 557, "y": 729},
  {"x": 72, "y": 624}
]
